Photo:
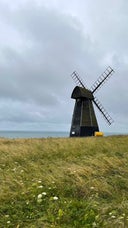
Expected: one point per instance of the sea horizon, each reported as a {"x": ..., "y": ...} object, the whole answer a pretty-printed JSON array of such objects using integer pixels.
[
  {"x": 32, "y": 134},
  {"x": 42, "y": 134}
]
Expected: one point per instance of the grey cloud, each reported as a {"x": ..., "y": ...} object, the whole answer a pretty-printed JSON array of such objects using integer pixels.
[
  {"x": 43, "y": 45},
  {"x": 40, "y": 72}
]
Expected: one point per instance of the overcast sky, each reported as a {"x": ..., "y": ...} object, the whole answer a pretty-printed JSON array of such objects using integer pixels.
[{"x": 42, "y": 42}]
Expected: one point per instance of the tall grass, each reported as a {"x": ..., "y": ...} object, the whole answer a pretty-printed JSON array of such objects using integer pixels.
[{"x": 64, "y": 182}]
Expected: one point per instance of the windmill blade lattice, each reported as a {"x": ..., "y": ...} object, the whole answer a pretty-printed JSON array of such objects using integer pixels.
[
  {"x": 102, "y": 79},
  {"x": 103, "y": 111},
  {"x": 75, "y": 76}
]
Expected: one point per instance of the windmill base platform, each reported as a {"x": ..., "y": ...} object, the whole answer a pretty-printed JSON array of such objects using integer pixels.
[{"x": 84, "y": 131}]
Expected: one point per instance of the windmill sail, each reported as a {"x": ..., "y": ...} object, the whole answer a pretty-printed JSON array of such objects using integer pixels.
[
  {"x": 102, "y": 79},
  {"x": 103, "y": 111},
  {"x": 75, "y": 76}
]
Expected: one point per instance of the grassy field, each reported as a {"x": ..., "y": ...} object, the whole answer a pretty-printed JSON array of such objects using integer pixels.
[{"x": 64, "y": 182}]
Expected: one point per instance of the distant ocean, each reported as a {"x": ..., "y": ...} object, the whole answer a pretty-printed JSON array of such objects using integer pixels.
[
  {"x": 32, "y": 134},
  {"x": 39, "y": 134}
]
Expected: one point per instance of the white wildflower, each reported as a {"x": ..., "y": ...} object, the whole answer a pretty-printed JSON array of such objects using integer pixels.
[
  {"x": 39, "y": 196},
  {"x": 113, "y": 216},
  {"x": 39, "y": 181},
  {"x": 39, "y": 200},
  {"x": 8, "y": 222},
  {"x": 55, "y": 198},
  {"x": 44, "y": 193},
  {"x": 92, "y": 188},
  {"x": 41, "y": 186}
]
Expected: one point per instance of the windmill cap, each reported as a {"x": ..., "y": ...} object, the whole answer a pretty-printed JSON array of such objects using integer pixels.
[{"x": 80, "y": 92}]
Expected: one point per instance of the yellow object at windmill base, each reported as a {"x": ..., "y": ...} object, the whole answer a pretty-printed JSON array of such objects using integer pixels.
[{"x": 98, "y": 134}]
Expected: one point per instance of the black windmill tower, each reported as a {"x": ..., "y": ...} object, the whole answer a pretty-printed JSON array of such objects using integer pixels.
[{"x": 84, "y": 122}]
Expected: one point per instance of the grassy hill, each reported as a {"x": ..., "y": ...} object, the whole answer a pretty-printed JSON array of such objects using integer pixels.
[{"x": 64, "y": 182}]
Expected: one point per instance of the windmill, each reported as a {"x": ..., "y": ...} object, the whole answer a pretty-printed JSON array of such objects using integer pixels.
[{"x": 84, "y": 122}]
